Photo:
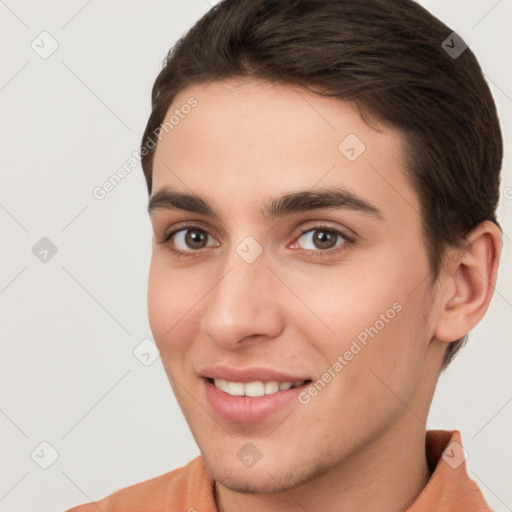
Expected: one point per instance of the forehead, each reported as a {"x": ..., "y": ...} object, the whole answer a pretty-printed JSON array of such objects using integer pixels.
[{"x": 254, "y": 139}]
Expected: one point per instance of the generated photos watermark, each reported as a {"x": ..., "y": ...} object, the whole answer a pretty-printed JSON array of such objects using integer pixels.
[
  {"x": 101, "y": 191},
  {"x": 357, "y": 345}
]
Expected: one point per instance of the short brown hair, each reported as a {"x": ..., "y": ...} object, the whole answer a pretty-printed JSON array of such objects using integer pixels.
[{"x": 388, "y": 57}]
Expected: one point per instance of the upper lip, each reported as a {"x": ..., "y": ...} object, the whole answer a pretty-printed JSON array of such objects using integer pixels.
[{"x": 249, "y": 374}]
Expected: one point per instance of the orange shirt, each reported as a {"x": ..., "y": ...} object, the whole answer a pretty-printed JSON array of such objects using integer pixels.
[{"x": 190, "y": 488}]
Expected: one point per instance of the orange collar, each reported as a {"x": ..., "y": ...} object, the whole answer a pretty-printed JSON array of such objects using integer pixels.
[{"x": 449, "y": 488}]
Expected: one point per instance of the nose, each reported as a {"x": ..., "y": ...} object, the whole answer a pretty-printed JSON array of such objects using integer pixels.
[{"x": 243, "y": 304}]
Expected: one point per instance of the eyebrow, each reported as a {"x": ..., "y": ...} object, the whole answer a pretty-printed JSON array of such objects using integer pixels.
[{"x": 293, "y": 202}]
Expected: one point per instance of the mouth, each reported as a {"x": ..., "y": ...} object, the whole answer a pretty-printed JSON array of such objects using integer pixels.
[
  {"x": 251, "y": 402},
  {"x": 257, "y": 388}
]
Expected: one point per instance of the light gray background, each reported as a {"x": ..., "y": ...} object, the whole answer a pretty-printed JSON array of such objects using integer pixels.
[{"x": 69, "y": 326}]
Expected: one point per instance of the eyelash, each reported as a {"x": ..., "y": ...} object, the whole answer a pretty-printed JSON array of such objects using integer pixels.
[{"x": 348, "y": 241}]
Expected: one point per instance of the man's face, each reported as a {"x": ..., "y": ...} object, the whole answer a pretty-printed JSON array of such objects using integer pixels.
[{"x": 335, "y": 296}]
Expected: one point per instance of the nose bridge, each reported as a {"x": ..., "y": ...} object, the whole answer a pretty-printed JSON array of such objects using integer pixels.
[{"x": 242, "y": 302}]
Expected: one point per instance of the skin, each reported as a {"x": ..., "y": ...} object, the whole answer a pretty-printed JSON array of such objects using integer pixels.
[{"x": 244, "y": 143}]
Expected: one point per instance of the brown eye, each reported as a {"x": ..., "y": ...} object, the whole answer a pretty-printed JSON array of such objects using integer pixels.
[
  {"x": 195, "y": 239},
  {"x": 189, "y": 239},
  {"x": 322, "y": 238}
]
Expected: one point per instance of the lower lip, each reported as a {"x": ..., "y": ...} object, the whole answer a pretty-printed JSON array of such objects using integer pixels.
[{"x": 248, "y": 409}]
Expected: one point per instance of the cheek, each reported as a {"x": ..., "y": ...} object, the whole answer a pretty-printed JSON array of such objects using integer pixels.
[
  {"x": 376, "y": 326},
  {"x": 170, "y": 300},
  {"x": 389, "y": 368},
  {"x": 158, "y": 301}
]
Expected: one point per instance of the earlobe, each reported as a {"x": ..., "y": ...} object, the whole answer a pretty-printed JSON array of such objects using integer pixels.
[{"x": 469, "y": 279}]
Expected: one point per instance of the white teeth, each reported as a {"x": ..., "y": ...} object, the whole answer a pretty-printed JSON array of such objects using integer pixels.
[
  {"x": 272, "y": 386},
  {"x": 222, "y": 384},
  {"x": 235, "y": 388},
  {"x": 256, "y": 388}
]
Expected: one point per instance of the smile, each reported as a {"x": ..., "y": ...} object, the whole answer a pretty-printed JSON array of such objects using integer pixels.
[
  {"x": 251, "y": 402},
  {"x": 256, "y": 388}
]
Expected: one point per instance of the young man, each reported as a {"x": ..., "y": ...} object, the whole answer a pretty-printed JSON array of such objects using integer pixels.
[{"x": 323, "y": 180}]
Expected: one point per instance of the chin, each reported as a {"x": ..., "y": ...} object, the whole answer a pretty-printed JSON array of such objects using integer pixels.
[{"x": 262, "y": 478}]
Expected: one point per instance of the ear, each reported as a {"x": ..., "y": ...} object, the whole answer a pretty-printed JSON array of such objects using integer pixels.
[{"x": 467, "y": 282}]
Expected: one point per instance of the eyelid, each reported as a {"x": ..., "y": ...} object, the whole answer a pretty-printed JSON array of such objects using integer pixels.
[
  {"x": 347, "y": 233},
  {"x": 348, "y": 241},
  {"x": 193, "y": 224}
]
